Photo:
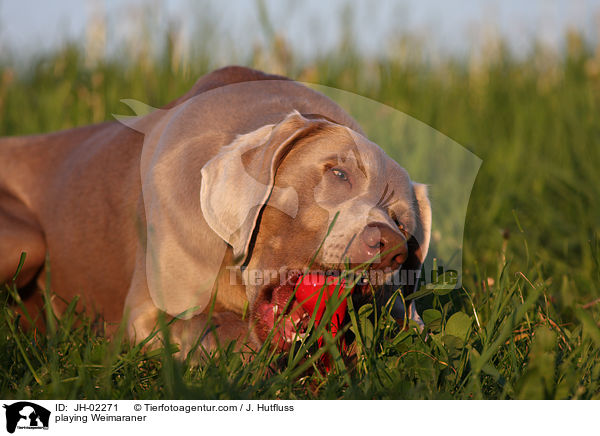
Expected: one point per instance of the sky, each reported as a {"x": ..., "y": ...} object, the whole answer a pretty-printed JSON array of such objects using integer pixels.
[{"x": 311, "y": 26}]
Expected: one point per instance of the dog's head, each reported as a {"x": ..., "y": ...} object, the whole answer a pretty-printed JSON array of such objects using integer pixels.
[{"x": 305, "y": 186}]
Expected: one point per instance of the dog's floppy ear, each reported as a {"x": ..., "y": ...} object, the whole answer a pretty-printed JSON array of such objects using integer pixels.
[
  {"x": 418, "y": 246},
  {"x": 238, "y": 182},
  {"x": 187, "y": 239},
  {"x": 419, "y": 242}
]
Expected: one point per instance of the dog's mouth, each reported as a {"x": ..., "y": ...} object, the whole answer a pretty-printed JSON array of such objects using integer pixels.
[{"x": 279, "y": 310}]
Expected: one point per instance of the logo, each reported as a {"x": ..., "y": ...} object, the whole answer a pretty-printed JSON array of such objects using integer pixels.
[
  {"x": 223, "y": 206},
  {"x": 26, "y": 415}
]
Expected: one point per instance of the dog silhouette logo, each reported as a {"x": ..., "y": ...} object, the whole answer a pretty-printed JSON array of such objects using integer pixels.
[{"x": 26, "y": 415}]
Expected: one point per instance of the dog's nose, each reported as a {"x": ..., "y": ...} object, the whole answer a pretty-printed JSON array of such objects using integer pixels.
[{"x": 379, "y": 238}]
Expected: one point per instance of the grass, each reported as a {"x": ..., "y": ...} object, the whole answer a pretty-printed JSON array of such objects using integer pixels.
[{"x": 525, "y": 322}]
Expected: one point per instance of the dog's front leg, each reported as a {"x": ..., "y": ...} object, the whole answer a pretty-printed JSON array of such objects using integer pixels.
[
  {"x": 206, "y": 333},
  {"x": 203, "y": 332}
]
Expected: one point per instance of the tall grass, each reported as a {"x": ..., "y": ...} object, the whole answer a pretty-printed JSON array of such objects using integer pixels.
[{"x": 525, "y": 323}]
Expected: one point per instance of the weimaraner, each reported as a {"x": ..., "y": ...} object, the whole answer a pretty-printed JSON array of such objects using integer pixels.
[{"x": 191, "y": 208}]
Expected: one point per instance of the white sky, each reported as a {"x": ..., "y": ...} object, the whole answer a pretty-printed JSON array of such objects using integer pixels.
[{"x": 311, "y": 26}]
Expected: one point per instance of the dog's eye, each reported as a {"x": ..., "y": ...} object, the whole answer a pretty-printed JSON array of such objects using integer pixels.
[
  {"x": 399, "y": 223},
  {"x": 402, "y": 228},
  {"x": 340, "y": 174}
]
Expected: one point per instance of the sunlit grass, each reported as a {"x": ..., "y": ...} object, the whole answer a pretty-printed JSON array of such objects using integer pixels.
[{"x": 525, "y": 323}]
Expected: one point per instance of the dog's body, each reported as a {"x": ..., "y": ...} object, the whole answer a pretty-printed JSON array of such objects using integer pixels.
[
  {"x": 56, "y": 192},
  {"x": 86, "y": 195}
]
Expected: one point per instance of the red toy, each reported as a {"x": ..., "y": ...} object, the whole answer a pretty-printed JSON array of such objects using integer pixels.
[{"x": 309, "y": 289}]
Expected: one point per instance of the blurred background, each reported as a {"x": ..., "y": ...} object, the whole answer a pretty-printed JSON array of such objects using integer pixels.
[
  {"x": 239, "y": 27},
  {"x": 517, "y": 83}
]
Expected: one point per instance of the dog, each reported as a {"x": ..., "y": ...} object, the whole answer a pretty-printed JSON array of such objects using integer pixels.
[{"x": 189, "y": 209}]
